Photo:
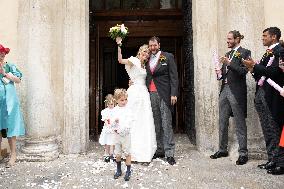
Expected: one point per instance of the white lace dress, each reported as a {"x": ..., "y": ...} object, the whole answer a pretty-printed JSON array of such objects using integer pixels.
[
  {"x": 107, "y": 136},
  {"x": 143, "y": 137}
]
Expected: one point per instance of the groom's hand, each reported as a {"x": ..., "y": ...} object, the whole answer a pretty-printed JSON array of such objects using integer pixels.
[{"x": 173, "y": 100}]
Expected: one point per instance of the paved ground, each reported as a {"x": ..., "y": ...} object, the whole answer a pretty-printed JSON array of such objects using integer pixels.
[{"x": 193, "y": 170}]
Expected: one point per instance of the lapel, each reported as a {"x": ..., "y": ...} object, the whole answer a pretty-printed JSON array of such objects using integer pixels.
[
  {"x": 265, "y": 58},
  {"x": 148, "y": 67}
]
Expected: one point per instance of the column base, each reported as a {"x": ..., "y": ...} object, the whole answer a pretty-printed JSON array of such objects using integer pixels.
[{"x": 42, "y": 149}]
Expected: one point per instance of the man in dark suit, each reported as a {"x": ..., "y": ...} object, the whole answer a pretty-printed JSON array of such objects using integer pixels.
[
  {"x": 162, "y": 82},
  {"x": 268, "y": 102},
  {"x": 233, "y": 97}
]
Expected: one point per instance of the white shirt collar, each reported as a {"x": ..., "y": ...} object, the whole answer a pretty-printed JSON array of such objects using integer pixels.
[
  {"x": 272, "y": 46},
  {"x": 236, "y": 48},
  {"x": 156, "y": 55}
]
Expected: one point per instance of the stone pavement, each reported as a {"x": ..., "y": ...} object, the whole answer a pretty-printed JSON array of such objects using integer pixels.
[{"x": 193, "y": 170}]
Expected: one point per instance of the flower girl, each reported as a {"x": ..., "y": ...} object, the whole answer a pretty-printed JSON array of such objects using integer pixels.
[
  {"x": 107, "y": 137},
  {"x": 122, "y": 124}
]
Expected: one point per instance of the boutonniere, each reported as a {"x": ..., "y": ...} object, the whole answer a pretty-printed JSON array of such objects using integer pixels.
[
  {"x": 237, "y": 54},
  {"x": 269, "y": 52},
  {"x": 162, "y": 58}
]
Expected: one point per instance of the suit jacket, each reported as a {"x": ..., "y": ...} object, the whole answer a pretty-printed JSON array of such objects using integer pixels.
[
  {"x": 165, "y": 77},
  {"x": 273, "y": 99},
  {"x": 236, "y": 77}
]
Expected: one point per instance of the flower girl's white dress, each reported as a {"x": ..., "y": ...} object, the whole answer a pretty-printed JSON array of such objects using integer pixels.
[
  {"x": 143, "y": 137},
  {"x": 107, "y": 136}
]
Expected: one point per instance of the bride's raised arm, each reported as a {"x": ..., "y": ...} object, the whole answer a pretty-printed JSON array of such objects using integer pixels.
[{"x": 119, "y": 55}]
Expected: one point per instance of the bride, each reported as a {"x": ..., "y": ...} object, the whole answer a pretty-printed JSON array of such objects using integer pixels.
[{"x": 143, "y": 137}]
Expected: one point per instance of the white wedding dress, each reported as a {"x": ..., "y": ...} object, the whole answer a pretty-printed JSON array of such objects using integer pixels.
[{"x": 143, "y": 136}]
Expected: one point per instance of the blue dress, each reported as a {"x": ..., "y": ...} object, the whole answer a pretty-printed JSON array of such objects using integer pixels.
[{"x": 11, "y": 117}]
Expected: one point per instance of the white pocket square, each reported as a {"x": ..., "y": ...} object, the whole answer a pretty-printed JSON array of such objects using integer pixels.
[{"x": 164, "y": 64}]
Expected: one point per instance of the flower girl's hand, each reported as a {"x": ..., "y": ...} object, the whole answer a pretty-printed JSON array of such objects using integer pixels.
[{"x": 118, "y": 40}]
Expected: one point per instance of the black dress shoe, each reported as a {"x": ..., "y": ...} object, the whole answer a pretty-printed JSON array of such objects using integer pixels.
[
  {"x": 127, "y": 175},
  {"x": 276, "y": 171},
  {"x": 267, "y": 166},
  {"x": 107, "y": 159},
  {"x": 158, "y": 156},
  {"x": 242, "y": 160},
  {"x": 219, "y": 155},
  {"x": 262, "y": 166},
  {"x": 270, "y": 165},
  {"x": 171, "y": 160}
]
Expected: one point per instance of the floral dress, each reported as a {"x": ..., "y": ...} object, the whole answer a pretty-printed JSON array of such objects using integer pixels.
[{"x": 11, "y": 117}]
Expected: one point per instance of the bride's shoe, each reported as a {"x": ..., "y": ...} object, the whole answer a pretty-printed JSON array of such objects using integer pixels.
[{"x": 10, "y": 164}]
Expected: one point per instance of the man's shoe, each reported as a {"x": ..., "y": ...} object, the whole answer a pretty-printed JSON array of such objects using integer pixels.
[
  {"x": 107, "y": 159},
  {"x": 219, "y": 155},
  {"x": 268, "y": 165},
  {"x": 158, "y": 156},
  {"x": 171, "y": 160},
  {"x": 127, "y": 175},
  {"x": 242, "y": 160},
  {"x": 276, "y": 171},
  {"x": 262, "y": 166},
  {"x": 116, "y": 175}
]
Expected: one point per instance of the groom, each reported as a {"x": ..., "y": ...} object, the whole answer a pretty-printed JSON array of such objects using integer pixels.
[{"x": 162, "y": 82}]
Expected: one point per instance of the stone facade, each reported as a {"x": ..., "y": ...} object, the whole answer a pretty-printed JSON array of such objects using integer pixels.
[{"x": 49, "y": 42}]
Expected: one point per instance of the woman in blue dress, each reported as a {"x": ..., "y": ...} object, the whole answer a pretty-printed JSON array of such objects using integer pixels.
[{"x": 11, "y": 119}]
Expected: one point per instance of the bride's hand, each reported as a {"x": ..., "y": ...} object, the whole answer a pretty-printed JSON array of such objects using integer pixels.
[{"x": 118, "y": 40}]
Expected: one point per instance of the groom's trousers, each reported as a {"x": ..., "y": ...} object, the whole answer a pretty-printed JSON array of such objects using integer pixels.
[{"x": 163, "y": 125}]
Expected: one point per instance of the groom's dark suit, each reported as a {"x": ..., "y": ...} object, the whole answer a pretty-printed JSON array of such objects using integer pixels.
[{"x": 165, "y": 78}]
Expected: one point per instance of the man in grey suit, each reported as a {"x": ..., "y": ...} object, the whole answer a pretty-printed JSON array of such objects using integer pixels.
[
  {"x": 162, "y": 82},
  {"x": 233, "y": 97}
]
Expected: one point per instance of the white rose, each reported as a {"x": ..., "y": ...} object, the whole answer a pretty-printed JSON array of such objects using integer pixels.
[{"x": 123, "y": 29}]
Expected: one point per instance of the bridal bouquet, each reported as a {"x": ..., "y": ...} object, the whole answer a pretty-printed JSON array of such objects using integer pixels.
[{"x": 118, "y": 31}]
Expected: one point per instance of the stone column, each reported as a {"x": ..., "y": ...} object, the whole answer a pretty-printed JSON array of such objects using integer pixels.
[
  {"x": 205, "y": 41},
  {"x": 76, "y": 76},
  {"x": 37, "y": 56}
]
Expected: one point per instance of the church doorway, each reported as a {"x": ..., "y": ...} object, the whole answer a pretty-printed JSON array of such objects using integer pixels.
[{"x": 106, "y": 73}]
